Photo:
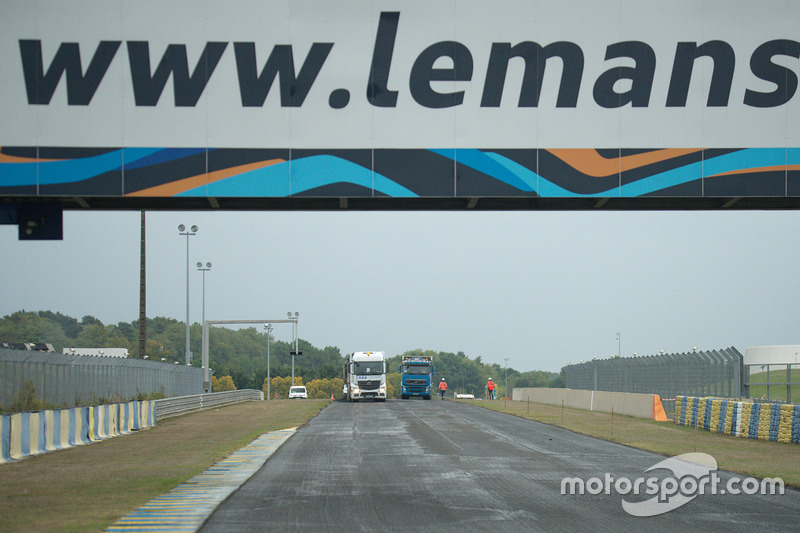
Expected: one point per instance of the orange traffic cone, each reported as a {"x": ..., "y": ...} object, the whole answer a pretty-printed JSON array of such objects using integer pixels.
[{"x": 331, "y": 396}]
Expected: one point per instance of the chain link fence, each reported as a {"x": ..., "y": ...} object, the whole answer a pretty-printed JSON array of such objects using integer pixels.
[
  {"x": 707, "y": 373},
  {"x": 63, "y": 380}
]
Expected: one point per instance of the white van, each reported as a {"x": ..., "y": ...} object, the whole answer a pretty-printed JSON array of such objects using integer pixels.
[{"x": 298, "y": 392}]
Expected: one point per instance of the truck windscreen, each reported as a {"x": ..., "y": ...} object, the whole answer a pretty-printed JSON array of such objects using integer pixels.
[
  {"x": 368, "y": 368},
  {"x": 417, "y": 370}
]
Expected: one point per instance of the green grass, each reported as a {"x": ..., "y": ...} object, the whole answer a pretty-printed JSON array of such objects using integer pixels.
[
  {"x": 746, "y": 456},
  {"x": 88, "y": 488},
  {"x": 758, "y": 384}
]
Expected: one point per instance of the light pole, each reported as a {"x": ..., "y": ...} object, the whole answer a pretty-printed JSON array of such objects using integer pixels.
[
  {"x": 506, "y": 359},
  {"x": 183, "y": 231},
  {"x": 619, "y": 345},
  {"x": 203, "y": 269},
  {"x": 268, "y": 327},
  {"x": 295, "y": 328}
]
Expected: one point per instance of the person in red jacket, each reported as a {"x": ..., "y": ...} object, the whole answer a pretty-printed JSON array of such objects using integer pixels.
[
  {"x": 490, "y": 389},
  {"x": 442, "y": 387}
]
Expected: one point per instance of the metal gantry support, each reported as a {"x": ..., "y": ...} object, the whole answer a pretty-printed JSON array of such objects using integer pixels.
[
  {"x": 207, "y": 323},
  {"x": 268, "y": 328}
]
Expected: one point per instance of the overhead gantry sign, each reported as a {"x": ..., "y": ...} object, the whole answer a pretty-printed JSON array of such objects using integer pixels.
[{"x": 404, "y": 105}]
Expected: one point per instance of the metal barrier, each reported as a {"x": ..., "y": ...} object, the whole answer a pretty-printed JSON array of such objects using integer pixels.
[{"x": 186, "y": 404}]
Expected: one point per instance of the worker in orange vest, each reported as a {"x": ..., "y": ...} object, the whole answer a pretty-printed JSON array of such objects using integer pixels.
[
  {"x": 442, "y": 387},
  {"x": 490, "y": 389}
]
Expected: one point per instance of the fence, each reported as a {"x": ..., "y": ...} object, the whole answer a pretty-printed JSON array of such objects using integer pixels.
[
  {"x": 70, "y": 380},
  {"x": 772, "y": 382},
  {"x": 707, "y": 373}
]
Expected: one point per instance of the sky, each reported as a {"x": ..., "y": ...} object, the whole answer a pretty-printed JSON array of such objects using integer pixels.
[{"x": 540, "y": 288}]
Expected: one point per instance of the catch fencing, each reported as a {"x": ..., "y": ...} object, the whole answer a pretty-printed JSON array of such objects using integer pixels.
[
  {"x": 707, "y": 373},
  {"x": 64, "y": 380}
]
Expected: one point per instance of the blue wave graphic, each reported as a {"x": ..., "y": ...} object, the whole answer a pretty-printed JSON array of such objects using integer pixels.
[
  {"x": 305, "y": 174},
  {"x": 301, "y": 175},
  {"x": 161, "y": 156},
  {"x": 70, "y": 170},
  {"x": 483, "y": 162},
  {"x": 752, "y": 158}
]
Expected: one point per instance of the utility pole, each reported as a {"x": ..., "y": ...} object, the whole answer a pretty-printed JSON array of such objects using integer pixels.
[{"x": 142, "y": 294}]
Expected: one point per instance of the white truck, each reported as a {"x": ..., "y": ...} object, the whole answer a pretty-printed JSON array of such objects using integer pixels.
[{"x": 364, "y": 376}]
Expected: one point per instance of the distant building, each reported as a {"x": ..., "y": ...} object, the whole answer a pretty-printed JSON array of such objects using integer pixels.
[
  {"x": 97, "y": 352},
  {"x": 29, "y": 346},
  {"x": 772, "y": 355}
]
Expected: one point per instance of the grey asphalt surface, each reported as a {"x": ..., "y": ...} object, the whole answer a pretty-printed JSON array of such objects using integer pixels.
[{"x": 446, "y": 466}]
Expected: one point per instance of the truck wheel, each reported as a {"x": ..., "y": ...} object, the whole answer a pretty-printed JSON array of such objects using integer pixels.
[
  {"x": 381, "y": 399},
  {"x": 428, "y": 397},
  {"x": 404, "y": 397}
]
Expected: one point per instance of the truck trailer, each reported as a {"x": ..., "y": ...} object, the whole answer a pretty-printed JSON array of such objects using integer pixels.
[
  {"x": 416, "y": 372},
  {"x": 364, "y": 376}
]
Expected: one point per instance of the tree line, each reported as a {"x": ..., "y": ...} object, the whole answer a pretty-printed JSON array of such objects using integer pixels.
[{"x": 242, "y": 353}]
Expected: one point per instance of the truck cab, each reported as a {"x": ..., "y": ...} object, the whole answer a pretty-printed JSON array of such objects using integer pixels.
[
  {"x": 416, "y": 372},
  {"x": 364, "y": 376}
]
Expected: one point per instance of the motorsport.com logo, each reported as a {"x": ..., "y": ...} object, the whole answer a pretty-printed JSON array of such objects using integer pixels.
[{"x": 693, "y": 474}]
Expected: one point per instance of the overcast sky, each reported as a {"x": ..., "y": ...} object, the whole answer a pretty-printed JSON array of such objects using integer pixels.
[{"x": 542, "y": 288}]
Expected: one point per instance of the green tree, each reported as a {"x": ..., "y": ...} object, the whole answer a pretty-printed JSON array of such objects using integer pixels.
[
  {"x": 225, "y": 383},
  {"x": 280, "y": 386},
  {"x": 325, "y": 388}
]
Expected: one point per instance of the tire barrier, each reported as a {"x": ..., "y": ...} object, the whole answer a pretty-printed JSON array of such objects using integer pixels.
[
  {"x": 764, "y": 421},
  {"x": 26, "y": 434}
]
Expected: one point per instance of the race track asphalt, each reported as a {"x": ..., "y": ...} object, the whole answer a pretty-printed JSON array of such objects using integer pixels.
[{"x": 446, "y": 466}]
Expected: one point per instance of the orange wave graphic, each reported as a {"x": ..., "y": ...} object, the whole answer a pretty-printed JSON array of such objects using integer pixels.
[
  {"x": 777, "y": 168},
  {"x": 179, "y": 186},
  {"x": 591, "y": 163},
  {"x": 5, "y": 158}
]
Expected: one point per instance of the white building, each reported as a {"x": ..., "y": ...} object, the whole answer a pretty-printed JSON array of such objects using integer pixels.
[
  {"x": 772, "y": 355},
  {"x": 97, "y": 352}
]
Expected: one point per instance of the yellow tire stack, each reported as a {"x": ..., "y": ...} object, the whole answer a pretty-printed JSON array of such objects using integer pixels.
[
  {"x": 716, "y": 406},
  {"x": 785, "y": 428},
  {"x": 763, "y": 422}
]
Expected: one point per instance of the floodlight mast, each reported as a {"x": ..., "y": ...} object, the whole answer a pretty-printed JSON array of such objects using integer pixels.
[{"x": 182, "y": 231}]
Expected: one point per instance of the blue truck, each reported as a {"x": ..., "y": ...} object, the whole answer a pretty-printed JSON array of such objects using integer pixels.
[{"x": 416, "y": 373}]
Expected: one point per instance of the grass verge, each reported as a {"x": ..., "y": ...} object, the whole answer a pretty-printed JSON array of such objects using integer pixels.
[
  {"x": 745, "y": 456},
  {"x": 88, "y": 488}
]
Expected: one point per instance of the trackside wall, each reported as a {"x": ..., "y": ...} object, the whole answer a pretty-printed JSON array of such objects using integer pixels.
[
  {"x": 26, "y": 434},
  {"x": 624, "y": 403}
]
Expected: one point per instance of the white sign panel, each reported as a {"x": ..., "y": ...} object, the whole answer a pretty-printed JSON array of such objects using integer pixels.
[{"x": 400, "y": 74}]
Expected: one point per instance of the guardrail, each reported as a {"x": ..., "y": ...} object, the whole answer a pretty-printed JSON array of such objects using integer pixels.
[{"x": 179, "y": 405}]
